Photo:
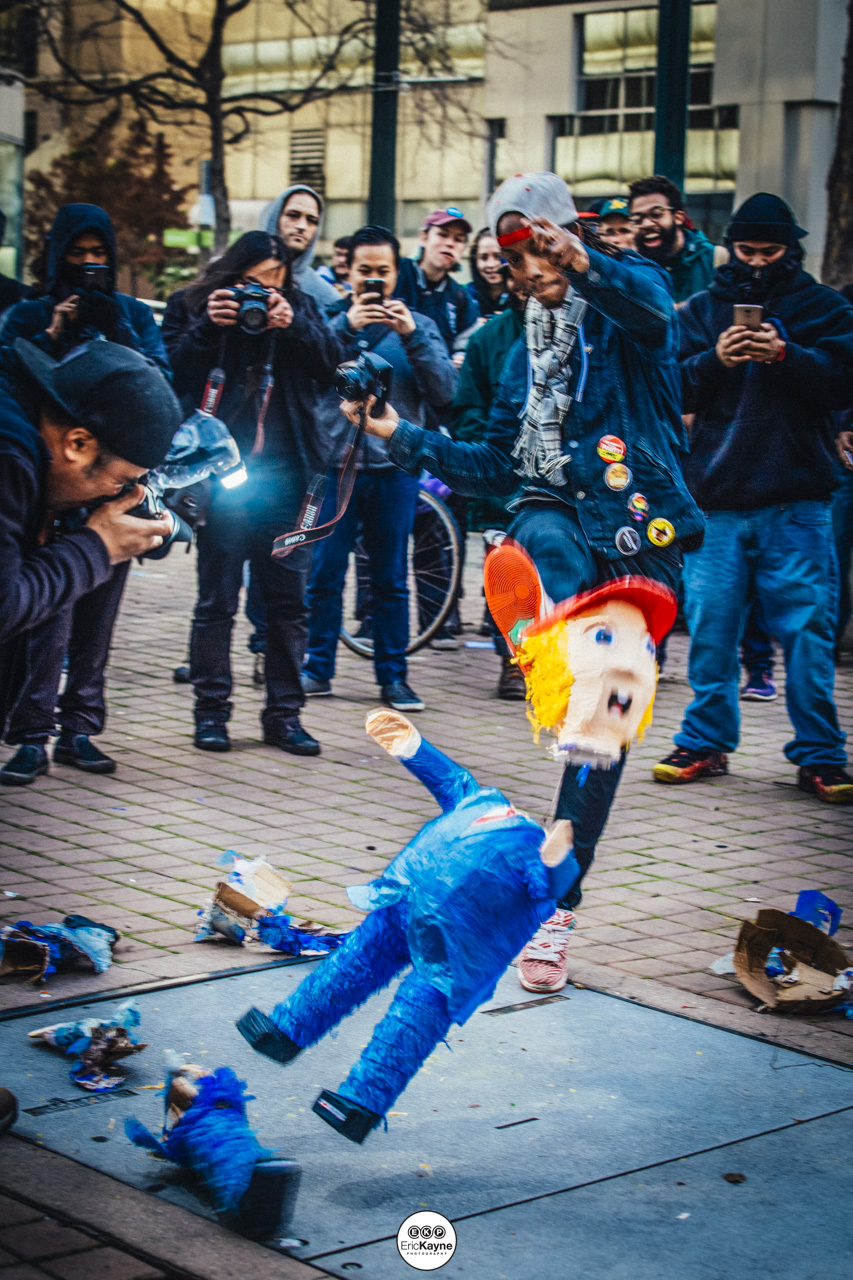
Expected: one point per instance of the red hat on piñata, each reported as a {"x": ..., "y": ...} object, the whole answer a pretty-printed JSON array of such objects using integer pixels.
[{"x": 656, "y": 602}]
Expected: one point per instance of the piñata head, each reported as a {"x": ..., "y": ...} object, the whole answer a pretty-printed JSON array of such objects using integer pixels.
[{"x": 591, "y": 671}]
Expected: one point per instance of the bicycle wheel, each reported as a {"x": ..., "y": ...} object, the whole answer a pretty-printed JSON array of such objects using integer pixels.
[{"x": 435, "y": 563}]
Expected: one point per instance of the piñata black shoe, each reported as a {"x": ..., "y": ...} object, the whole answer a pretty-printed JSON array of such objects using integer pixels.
[
  {"x": 265, "y": 1037},
  {"x": 351, "y": 1120}
]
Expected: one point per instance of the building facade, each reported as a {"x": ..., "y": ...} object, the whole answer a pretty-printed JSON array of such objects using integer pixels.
[{"x": 564, "y": 86}]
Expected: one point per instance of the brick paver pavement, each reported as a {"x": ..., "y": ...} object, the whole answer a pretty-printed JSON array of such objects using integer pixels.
[{"x": 677, "y": 870}]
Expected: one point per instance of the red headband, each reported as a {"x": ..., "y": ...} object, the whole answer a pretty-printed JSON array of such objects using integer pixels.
[{"x": 513, "y": 237}]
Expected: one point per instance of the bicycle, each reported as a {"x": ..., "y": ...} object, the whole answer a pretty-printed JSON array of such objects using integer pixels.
[{"x": 435, "y": 566}]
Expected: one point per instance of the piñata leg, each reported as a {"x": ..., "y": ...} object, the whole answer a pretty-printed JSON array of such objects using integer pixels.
[
  {"x": 372, "y": 955},
  {"x": 415, "y": 1023}
]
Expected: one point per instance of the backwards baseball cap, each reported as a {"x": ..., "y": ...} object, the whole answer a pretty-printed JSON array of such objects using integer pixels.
[
  {"x": 533, "y": 195},
  {"x": 441, "y": 217},
  {"x": 618, "y": 205},
  {"x": 656, "y": 602},
  {"x": 123, "y": 399}
]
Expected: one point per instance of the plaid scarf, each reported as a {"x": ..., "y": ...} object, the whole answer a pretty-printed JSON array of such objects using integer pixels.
[{"x": 550, "y": 338}]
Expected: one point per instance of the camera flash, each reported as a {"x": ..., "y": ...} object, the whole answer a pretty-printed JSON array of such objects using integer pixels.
[{"x": 235, "y": 478}]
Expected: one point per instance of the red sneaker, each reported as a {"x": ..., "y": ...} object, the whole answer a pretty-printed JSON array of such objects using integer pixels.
[
  {"x": 544, "y": 963},
  {"x": 829, "y": 782},
  {"x": 684, "y": 765}
]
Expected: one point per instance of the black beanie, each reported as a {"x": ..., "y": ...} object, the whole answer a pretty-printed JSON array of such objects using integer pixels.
[{"x": 765, "y": 217}]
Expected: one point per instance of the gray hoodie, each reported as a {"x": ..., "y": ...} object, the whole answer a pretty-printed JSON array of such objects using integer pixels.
[{"x": 301, "y": 270}]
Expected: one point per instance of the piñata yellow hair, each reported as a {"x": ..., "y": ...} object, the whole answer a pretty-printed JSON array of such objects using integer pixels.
[
  {"x": 548, "y": 677},
  {"x": 549, "y": 681}
]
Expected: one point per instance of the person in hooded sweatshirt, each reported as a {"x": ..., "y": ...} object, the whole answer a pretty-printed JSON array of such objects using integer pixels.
[
  {"x": 296, "y": 217},
  {"x": 273, "y": 378},
  {"x": 72, "y": 308},
  {"x": 762, "y": 468}
]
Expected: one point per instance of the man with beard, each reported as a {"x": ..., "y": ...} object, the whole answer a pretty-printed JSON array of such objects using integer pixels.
[
  {"x": 585, "y": 433},
  {"x": 665, "y": 234},
  {"x": 762, "y": 468}
]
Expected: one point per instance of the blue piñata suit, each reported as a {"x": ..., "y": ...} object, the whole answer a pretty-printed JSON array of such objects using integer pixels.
[{"x": 457, "y": 904}]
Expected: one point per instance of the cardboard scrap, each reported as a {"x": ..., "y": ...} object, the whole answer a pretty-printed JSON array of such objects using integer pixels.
[{"x": 807, "y": 953}]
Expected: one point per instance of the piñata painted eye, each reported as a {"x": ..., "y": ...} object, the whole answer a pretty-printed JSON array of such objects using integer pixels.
[
  {"x": 651, "y": 647},
  {"x": 604, "y": 636}
]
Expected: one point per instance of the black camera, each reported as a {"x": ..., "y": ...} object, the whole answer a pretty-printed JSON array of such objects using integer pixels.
[
  {"x": 369, "y": 375},
  {"x": 152, "y": 508},
  {"x": 252, "y": 316}
]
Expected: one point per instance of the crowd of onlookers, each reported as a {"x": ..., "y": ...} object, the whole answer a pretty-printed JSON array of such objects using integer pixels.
[{"x": 760, "y": 431}]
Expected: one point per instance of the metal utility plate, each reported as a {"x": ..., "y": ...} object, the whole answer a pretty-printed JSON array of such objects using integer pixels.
[{"x": 535, "y": 1100}]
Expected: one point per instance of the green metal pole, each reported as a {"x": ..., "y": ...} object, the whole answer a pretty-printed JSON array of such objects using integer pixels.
[
  {"x": 382, "y": 199},
  {"x": 672, "y": 88}
]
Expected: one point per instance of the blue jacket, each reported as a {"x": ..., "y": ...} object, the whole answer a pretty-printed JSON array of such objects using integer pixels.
[
  {"x": 763, "y": 433},
  {"x": 423, "y": 374},
  {"x": 626, "y": 383},
  {"x": 448, "y": 304}
]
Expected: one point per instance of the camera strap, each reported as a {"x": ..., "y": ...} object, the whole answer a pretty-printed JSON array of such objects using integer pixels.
[
  {"x": 215, "y": 385},
  {"x": 307, "y": 530}
]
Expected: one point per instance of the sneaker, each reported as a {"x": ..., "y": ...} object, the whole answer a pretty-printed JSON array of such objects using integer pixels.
[
  {"x": 513, "y": 590},
  {"x": 511, "y": 685},
  {"x": 829, "y": 782},
  {"x": 684, "y": 765},
  {"x": 399, "y": 696},
  {"x": 759, "y": 688},
  {"x": 315, "y": 688},
  {"x": 76, "y": 749},
  {"x": 259, "y": 671},
  {"x": 28, "y": 763},
  {"x": 544, "y": 963},
  {"x": 444, "y": 640}
]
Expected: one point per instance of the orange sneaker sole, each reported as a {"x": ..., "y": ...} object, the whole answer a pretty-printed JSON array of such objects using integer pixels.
[{"x": 512, "y": 588}]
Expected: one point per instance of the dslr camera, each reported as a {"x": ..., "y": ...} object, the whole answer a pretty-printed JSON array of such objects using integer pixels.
[
  {"x": 252, "y": 316},
  {"x": 152, "y": 507},
  {"x": 369, "y": 375}
]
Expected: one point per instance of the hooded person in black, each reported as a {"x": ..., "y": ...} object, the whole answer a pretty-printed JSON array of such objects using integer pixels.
[
  {"x": 79, "y": 302},
  {"x": 272, "y": 381},
  {"x": 761, "y": 467}
]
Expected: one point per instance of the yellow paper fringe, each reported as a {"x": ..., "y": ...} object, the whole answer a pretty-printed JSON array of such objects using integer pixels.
[{"x": 548, "y": 678}]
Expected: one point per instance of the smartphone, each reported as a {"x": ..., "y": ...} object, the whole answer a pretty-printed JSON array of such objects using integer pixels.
[
  {"x": 750, "y": 317},
  {"x": 378, "y": 286}
]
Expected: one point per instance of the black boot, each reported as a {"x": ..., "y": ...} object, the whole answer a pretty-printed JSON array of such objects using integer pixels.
[
  {"x": 268, "y": 1205},
  {"x": 27, "y": 764},
  {"x": 349, "y": 1118},
  {"x": 511, "y": 686},
  {"x": 265, "y": 1037},
  {"x": 8, "y": 1109},
  {"x": 290, "y": 736},
  {"x": 76, "y": 749},
  {"x": 210, "y": 736}
]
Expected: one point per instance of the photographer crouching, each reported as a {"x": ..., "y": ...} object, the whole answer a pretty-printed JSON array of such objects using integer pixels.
[
  {"x": 248, "y": 345},
  {"x": 83, "y": 432}
]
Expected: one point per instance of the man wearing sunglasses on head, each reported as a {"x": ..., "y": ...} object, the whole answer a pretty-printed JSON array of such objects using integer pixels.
[{"x": 664, "y": 233}]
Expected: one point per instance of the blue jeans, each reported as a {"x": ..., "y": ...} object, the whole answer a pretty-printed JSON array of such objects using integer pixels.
[
  {"x": 552, "y": 536},
  {"x": 785, "y": 556},
  {"x": 842, "y": 523},
  {"x": 383, "y": 507},
  {"x": 756, "y": 648}
]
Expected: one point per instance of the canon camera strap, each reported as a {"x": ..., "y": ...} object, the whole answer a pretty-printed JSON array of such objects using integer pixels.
[{"x": 307, "y": 530}]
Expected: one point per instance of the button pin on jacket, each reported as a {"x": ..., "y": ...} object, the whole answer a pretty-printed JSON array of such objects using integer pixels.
[
  {"x": 627, "y": 541},
  {"x": 638, "y": 506},
  {"x": 617, "y": 476},
  {"x": 660, "y": 532},
  {"x": 611, "y": 449}
]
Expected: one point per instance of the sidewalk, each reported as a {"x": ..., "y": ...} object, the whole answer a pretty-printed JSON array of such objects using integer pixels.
[{"x": 676, "y": 872}]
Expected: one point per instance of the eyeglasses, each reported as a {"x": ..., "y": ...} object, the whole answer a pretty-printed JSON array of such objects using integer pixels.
[{"x": 654, "y": 214}]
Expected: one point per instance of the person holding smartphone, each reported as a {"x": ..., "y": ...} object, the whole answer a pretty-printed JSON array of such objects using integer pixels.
[
  {"x": 384, "y": 498},
  {"x": 766, "y": 356}
]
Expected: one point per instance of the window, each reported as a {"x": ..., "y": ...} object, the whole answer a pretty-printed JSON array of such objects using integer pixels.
[
  {"x": 496, "y": 152},
  {"x": 609, "y": 141},
  {"x": 308, "y": 158}
]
